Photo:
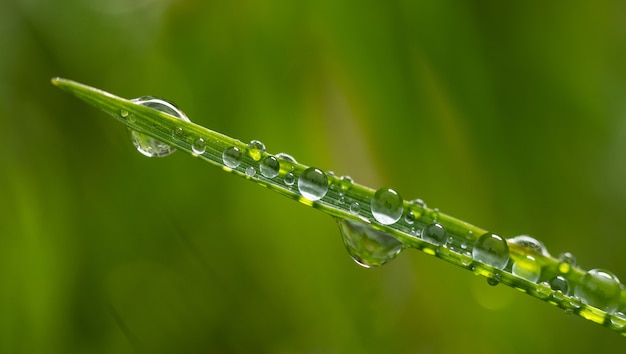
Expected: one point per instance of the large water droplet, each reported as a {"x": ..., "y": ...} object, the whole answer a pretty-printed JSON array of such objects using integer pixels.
[
  {"x": 313, "y": 184},
  {"x": 270, "y": 167},
  {"x": 232, "y": 157},
  {"x": 491, "y": 249},
  {"x": 599, "y": 288},
  {"x": 387, "y": 206},
  {"x": 146, "y": 144},
  {"x": 527, "y": 267},
  {"x": 530, "y": 243},
  {"x": 367, "y": 246},
  {"x": 256, "y": 149},
  {"x": 435, "y": 233}
]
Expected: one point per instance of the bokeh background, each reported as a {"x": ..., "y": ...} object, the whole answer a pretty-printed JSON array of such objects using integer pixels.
[{"x": 511, "y": 116}]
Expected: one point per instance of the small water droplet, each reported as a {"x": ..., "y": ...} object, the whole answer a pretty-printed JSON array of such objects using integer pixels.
[
  {"x": 491, "y": 249},
  {"x": 286, "y": 157},
  {"x": 145, "y": 144},
  {"x": 232, "y": 157},
  {"x": 419, "y": 203},
  {"x": 527, "y": 267},
  {"x": 313, "y": 184},
  {"x": 290, "y": 179},
  {"x": 256, "y": 149},
  {"x": 178, "y": 133},
  {"x": 434, "y": 233},
  {"x": 270, "y": 167},
  {"x": 199, "y": 146},
  {"x": 530, "y": 243},
  {"x": 124, "y": 113},
  {"x": 618, "y": 320},
  {"x": 494, "y": 279},
  {"x": 409, "y": 218},
  {"x": 599, "y": 288},
  {"x": 250, "y": 171},
  {"x": 543, "y": 290},
  {"x": 561, "y": 284},
  {"x": 387, "y": 206},
  {"x": 367, "y": 246},
  {"x": 567, "y": 262},
  {"x": 355, "y": 208}
]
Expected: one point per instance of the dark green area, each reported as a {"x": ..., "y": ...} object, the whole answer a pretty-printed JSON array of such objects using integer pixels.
[{"x": 512, "y": 117}]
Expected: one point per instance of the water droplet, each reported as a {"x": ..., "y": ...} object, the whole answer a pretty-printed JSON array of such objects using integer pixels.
[
  {"x": 434, "y": 233},
  {"x": 232, "y": 157},
  {"x": 531, "y": 243},
  {"x": 199, "y": 146},
  {"x": 124, "y": 113},
  {"x": 145, "y": 144},
  {"x": 387, "y": 206},
  {"x": 256, "y": 149},
  {"x": 250, "y": 171},
  {"x": 290, "y": 179},
  {"x": 527, "y": 267},
  {"x": 367, "y": 246},
  {"x": 269, "y": 167},
  {"x": 494, "y": 279},
  {"x": 599, "y": 288},
  {"x": 567, "y": 262},
  {"x": 178, "y": 133},
  {"x": 491, "y": 249},
  {"x": 286, "y": 157},
  {"x": 561, "y": 284},
  {"x": 419, "y": 203},
  {"x": 618, "y": 320},
  {"x": 543, "y": 290},
  {"x": 409, "y": 218},
  {"x": 355, "y": 208},
  {"x": 313, "y": 184}
]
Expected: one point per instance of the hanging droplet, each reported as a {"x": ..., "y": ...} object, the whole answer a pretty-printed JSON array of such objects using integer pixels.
[
  {"x": 145, "y": 144},
  {"x": 530, "y": 243},
  {"x": 494, "y": 279},
  {"x": 256, "y": 149},
  {"x": 367, "y": 246},
  {"x": 270, "y": 167},
  {"x": 250, "y": 171},
  {"x": 527, "y": 267},
  {"x": 290, "y": 179},
  {"x": 435, "y": 233},
  {"x": 599, "y": 288},
  {"x": 559, "y": 283},
  {"x": 313, "y": 184},
  {"x": 355, "y": 208},
  {"x": 199, "y": 146},
  {"x": 491, "y": 249},
  {"x": 232, "y": 157},
  {"x": 567, "y": 262},
  {"x": 387, "y": 206}
]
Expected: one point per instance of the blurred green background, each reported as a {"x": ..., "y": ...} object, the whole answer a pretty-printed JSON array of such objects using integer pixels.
[{"x": 509, "y": 116}]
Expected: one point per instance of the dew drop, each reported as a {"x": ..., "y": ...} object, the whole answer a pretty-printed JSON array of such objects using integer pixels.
[
  {"x": 145, "y": 144},
  {"x": 561, "y": 284},
  {"x": 527, "y": 267},
  {"x": 313, "y": 184},
  {"x": 250, "y": 171},
  {"x": 491, "y": 249},
  {"x": 434, "y": 233},
  {"x": 367, "y": 246},
  {"x": 618, "y": 320},
  {"x": 418, "y": 202},
  {"x": 355, "y": 208},
  {"x": 124, "y": 113},
  {"x": 178, "y": 133},
  {"x": 387, "y": 206},
  {"x": 256, "y": 149},
  {"x": 409, "y": 218},
  {"x": 543, "y": 290},
  {"x": 599, "y": 288},
  {"x": 198, "y": 146},
  {"x": 286, "y": 157},
  {"x": 530, "y": 243},
  {"x": 494, "y": 279},
  {"x": 270, "y": 167},
  {"x": 567, "y": 262},
  {"x": 345, "y": 182},
  {"x": 290, "y": 179},
  {"x": 232, "y": 157}
]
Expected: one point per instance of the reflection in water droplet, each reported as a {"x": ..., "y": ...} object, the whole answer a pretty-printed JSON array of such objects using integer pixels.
[
  {"x": 269, "y": 167},
  {"x": 387, "y": 206},
  {"x": 531, "y": 243},
  {"x": 145, "y": 144},
  {"x": 250, "y": 171},
  {"x": 434, "y": 233},
  {"x": 561, "y": 284},
  {"x": 599, "y": 288},
  {"x": 313, "y": 184},
  {"x": 367, "y": 246},
  {"x": 232, "y": 157},
  {"x": 527, "y": 267},
  {"x": 290, "y": 179},
  {"x": 198, "y": 146},
  {"x": 256, "y": 149},
  {"x": 491, "y": 249},
  {"x": 355, "y": 208}
]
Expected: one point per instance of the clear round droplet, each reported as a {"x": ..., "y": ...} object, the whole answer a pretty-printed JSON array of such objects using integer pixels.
[
  {"x": 599, "y": 288},
  {"x": 568, "y": 261},
  {"x": 123, "y": 113},
  {"x": 145, "y": 144},
  {"x": 232, "y": 157},
  {"x": 256, "y": 149},
  {"x": 250, "y": 171},
  {"x": 419, "y": 203},
  {"x": 313, "y": 184},
  {"x": 527, "y": 267},
  {"x": 435, "y": 233},
  {"x": 530, "y": 243},
  {"x": 491, "y": 249},
  {"x": 290, "y": 179},
  {"x": 286, "y": 157},
  {"x": 559, "y": 283},
  {"x": 270, "y": 167},
  {"x": 367, "y": 246},
  {"x": 199, "y": 146},
  {"x": 494, "y": 279},
  {"x": 355, "y": 208},
  {"x": 387, "y": 206},
  {"x": 409, "y": 218}
]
